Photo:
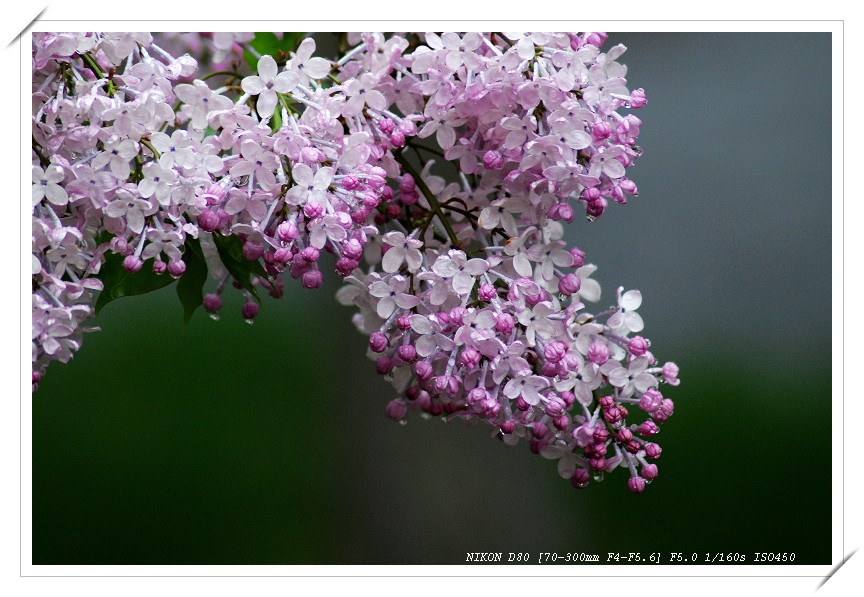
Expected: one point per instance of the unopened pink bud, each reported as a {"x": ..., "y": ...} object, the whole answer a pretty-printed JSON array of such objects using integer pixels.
[
  {"x": 282, "y": 255},
  {"x": 647, "y": 428},
  {"x": 287, "y": 231},
  {"x": 580, "y": 478},
  {"x": 636, "y": 484},
  {"x": 176, "y": 268},
  {"x": 476, "y": 396},
  {"x": 313, "y": 210},
  {"x": 549, "y": 369},
  {"x": 624, "y": 435},
  {"x": 578, "y": 256},
  {"x": 601, "y": 131},
  {"x": 649, "y": 471},
  {"x": 670, "y": 374},
  {"x": 208, "y": 221},
  {"x": 397, "y": 139},
  {"x": 396, "y": 410},
  {"x": 312, "y": 279},
  {"x": 561, "y": 422},
  {"x": 132, "y": 263},
  {"x": 628, "y": 186},
  {"x": 595, "y": 208},
  {"x": 650, "y": 400},
  {"x": 250, "y": 310},
  {"x": 159, "y": 267},
  {"x": 350, "y": 183},
  {"x": 490, "y": 407},
  {"x": 638, "y": 346},
  {"x": 214, "y": 194},
  {"x": 212, "y": 303},
  {"x": 118, "y": 245},
  {"x": 378, "y": 342},
  {"x": 555, "y": 407},
  {"x": 386, "y": 126},
  {"x": 252, "y": 251},
  {"x": 486, "y": 293},
  {"x": 653, "y": 451},
  {"x": 504, "y": 323},
  {"x": 638, "y": 99},
  {"x": 596, "y": 39},
  {"x": 310, "y": 254},
  {"x": 407, "y": 353},
  {"x": 569, "y": 284},
  {"x": 598, "y": 353},
  {"x": 555, "y": 351},
  {"x": 664, "y": 411},
  {"x": 423, "y": 370},
  {"x": 492, "y": 160},
  {"x": 470, "y": 358},
  {"x": 384, "y": 365}
]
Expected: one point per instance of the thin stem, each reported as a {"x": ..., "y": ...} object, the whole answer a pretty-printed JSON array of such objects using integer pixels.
[
  {"x": 42, "y": 159},
  {"x": 149, "y": 146},
  {"x": 430, "y": 197},
  {"x": 231, "y": 73},
  {"x": 431, "y": 150}
]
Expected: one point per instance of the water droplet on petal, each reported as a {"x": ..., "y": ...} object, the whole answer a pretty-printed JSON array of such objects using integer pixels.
[
  {"x": 598, "y": 477},
  {"x": 214, "y": 316},
  {"x": 249, "y": 321},
  {"x": 388, "y": 377}
]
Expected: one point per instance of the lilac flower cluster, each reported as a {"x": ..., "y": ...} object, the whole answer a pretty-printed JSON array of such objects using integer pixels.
[{"x": 472, "y": 300}]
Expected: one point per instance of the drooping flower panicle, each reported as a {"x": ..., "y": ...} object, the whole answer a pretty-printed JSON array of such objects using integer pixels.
[{"x": 472, "y": 300}]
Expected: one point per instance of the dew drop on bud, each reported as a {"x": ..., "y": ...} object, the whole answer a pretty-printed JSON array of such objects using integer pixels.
[
  {"x": 590, "y": 218},
  {"x": 214, "y": 316},
  {"x": 403, "y": 422},
  {"x": 249, "y": 321}
]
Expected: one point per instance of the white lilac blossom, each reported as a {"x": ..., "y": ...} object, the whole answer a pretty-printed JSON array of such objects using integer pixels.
[{"x": 146, "y": 166}]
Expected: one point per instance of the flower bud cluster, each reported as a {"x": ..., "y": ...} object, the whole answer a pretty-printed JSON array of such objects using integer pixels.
[{"x": 472, "y": 300}]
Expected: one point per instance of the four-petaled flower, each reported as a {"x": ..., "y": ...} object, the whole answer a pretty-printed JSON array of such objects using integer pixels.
[
  {"x": 402, "y": 250},
  {"x": 632, "y": 379},
  {"x": 267, "y": 83},
  {"x": 45, "y": 185}
]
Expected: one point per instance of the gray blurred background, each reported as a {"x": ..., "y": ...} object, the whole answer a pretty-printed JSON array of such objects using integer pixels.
[{"x": 234, "y": 444}]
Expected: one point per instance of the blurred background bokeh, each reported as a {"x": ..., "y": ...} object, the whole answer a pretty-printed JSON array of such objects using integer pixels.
[{"x": 267, "y": 444}]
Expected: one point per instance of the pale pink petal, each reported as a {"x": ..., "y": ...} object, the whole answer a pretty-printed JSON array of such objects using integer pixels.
[
  {"x": 631, "y": 300},
  {"x": 317, "y": 68},
  {"x": 392, "y": 260},
  {"x": 386, "y": 306},
  {"x": 253, "y": 85},
  {"x": 267, "y": 68}
]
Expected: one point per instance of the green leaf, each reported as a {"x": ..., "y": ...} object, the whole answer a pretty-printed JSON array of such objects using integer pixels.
[
  {"x": 231, "y": 253},
  {"x": 118, "y": 282},
  {"x": 190, "y": 287},
  {"x": 268, "y": 43}
]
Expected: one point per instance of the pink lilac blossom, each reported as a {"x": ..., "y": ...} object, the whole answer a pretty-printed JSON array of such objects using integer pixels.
[{"x": 473, "y": 302}]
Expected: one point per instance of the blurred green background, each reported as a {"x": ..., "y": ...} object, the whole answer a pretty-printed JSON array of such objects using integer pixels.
[{"x": 267, "y": 444}]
